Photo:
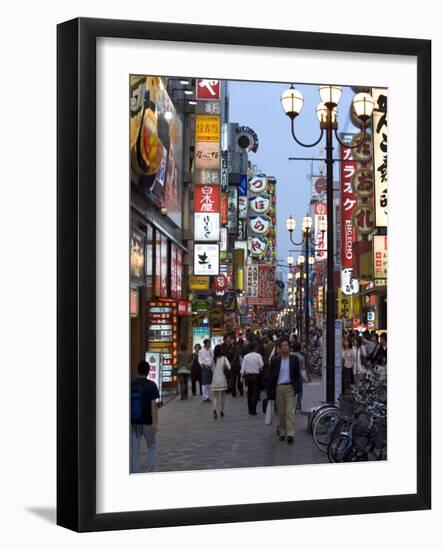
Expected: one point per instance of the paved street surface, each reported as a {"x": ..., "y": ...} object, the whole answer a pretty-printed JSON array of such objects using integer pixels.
[{"x": 190, "y": 439}]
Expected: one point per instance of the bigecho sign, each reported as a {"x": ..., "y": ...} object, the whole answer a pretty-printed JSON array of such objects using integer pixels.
[{"x": 348, "y": 204}]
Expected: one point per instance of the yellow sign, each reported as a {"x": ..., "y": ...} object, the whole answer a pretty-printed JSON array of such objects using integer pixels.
[
  {"x": 198, "y": 282},
  {"x": 348, "y": 305},
  {"x": 208, "y": 128}
]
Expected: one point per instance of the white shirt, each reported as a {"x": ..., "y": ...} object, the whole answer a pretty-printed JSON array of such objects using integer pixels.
[
  {"x": 205, "y": 357},
  {"x": 284, "y": 371},
  {"x": 252, "y": 363}
]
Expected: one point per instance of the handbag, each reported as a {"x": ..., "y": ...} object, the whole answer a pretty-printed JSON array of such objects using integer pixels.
[{"x": 270, "y": 409}]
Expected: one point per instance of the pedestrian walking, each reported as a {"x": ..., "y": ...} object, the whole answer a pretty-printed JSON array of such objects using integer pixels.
[
  {"x": 143, "y": 418},
  {"x": 196, "y": 370},
  {"x": 221, "y": 365},
  {"x": 205, "y": 359},
  {"x": 251, "y": 368},
  {"x": 347, "y": 364},
  {"x": 184, "y": 362},
  {"x": 359, "y": 360},
  {"x": 283, "y": 384}
]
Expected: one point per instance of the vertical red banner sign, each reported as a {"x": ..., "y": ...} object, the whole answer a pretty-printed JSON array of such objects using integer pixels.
[{"x": 348, "y": 203}]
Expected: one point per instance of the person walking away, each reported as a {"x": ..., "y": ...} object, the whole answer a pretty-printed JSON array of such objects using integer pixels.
[
  {"x": 251, "y": 367},
  {"x": 195, "y": 370},
  {"x": 347, "y": 364},
  {"x": 235, "y": 376},
  {"x": 143, "y": 418},
  {"x": 359, "y": 360},
  {"x": 219, "y": 382},
  {"x": 304, "y": 375},
  {"x": 205, "y": 359},
  {"x": 283, "y": 384},
  {"x": 184, "y": 361}
]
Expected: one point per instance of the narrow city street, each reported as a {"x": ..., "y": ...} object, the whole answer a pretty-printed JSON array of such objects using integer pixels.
[{"x": 190, "y": 439}]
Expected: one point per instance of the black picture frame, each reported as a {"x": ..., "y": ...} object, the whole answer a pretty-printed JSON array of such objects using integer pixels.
[{"x": 76, "y": 273}]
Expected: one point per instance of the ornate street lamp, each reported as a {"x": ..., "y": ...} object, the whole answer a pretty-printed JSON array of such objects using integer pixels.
[
  {"x": 292, "y": 102},
  {"x": 309, "y": 245}
]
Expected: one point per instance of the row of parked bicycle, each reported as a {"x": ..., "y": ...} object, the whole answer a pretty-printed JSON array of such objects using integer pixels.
[{"x": 355, "y": 428}]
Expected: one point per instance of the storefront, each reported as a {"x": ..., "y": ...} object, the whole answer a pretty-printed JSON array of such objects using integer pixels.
[{"x": 157, "y": 281}]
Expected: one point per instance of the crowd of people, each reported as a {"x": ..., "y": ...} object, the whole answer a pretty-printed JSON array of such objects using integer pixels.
[{"x": 268, "y": 361}]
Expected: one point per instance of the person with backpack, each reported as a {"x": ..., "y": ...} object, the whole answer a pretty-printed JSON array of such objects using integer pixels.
[{"x": 143, "y": 418}]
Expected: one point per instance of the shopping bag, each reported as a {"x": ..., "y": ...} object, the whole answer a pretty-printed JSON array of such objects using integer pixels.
[{"x": 269, "y": 411}]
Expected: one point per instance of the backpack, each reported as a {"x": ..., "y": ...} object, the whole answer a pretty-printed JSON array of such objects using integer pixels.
[{"x": 137, "y": 405}]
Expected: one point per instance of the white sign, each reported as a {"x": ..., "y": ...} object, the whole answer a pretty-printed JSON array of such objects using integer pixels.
[
  {"x": 261, "y": 204},
  {"x": 243, "y": 207},
  {"x": 258, "y": 184},
  {"x": 206, "y": 226},
  {"x": 321, "y": 236},
  {"x": 380, "y": 154},
  {"x": 223, "y": 240},
  {"x": 260, "y": 224},
  {"x": 206, "y": 259},
  {"x": 349, "y": 285},
  {"x": 154, "y": 360}
]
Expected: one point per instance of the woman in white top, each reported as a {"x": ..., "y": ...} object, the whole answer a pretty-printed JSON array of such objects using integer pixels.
[
  {"x": 359, "y": 360},
  {"x": 219, "y": 381},
  {"x": 347, "y": 364}
]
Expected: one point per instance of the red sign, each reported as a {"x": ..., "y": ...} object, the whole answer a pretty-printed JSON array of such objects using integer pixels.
[
  {"x": 348, "y": 203},
  {"x": 206, "y": 198},
  {"x": 220, "y": 282},
  {"x": 224, "y": 209},
  {"x": 184, "y": 307},
  {"x": 208, "y": 89},
  {"x": 260, "y": 285}
]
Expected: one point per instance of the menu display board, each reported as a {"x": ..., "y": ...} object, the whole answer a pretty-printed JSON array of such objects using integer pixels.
[{"x": 162, "y": 335}]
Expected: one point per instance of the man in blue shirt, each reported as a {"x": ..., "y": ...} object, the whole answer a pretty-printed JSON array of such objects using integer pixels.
[{"x": 282, "y": 385}]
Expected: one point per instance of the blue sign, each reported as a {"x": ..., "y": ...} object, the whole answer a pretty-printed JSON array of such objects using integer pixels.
[{"x": 242, "y": 189}]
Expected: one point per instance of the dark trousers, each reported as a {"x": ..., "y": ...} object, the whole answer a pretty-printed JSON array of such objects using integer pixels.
[
  {"x": 235, "y": 383},
  {"x": 347, "y": 379},
  {"x": 196, "y": 377},
  {"x": 253, "y": 391},
  {"x": 184, "y": 384}
]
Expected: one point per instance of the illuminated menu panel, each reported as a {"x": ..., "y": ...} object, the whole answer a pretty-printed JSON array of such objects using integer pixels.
[{"x": 162, "y": 335}]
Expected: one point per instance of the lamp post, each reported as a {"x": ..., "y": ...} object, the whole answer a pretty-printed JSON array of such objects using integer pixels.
[
  {"x": 298, "y": 276},
  {"x": 309, "y": 245},
  {"x": 292, "y": 102}
]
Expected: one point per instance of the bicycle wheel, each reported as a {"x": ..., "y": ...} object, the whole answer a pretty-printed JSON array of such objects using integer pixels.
[
  {"x": 319, "y": 411},
  {"x": 339, "y": 448},
  {"x": 324, "y": 426}
]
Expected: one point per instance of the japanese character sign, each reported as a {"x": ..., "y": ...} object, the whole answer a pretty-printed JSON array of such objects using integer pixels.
[
  {"x": 208, "y": 89},
  {"x": 260, "y": 224},
  {"x": 206, "y": 198},
  {"x": 363, "y": 219},
  {"x": 362, "y": 183},
  {"x": 380, "y": 151},
  {"x": 206, "y": 259},
  {"x": 207, "y": 156},
  {"x": 258, "y": 246},
  {"x": 258, "y": 184},
  {"x": 208, "y": 128},
  {"x": 261, "y": 204}
]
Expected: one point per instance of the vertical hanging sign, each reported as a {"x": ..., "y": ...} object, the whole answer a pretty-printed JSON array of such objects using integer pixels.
[
  {"x": 380, "y": 155},
  {"x": 348, "y": 204}
]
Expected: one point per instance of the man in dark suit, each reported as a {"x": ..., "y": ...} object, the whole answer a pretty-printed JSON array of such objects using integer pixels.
[{"x": 283, "y": 384}]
